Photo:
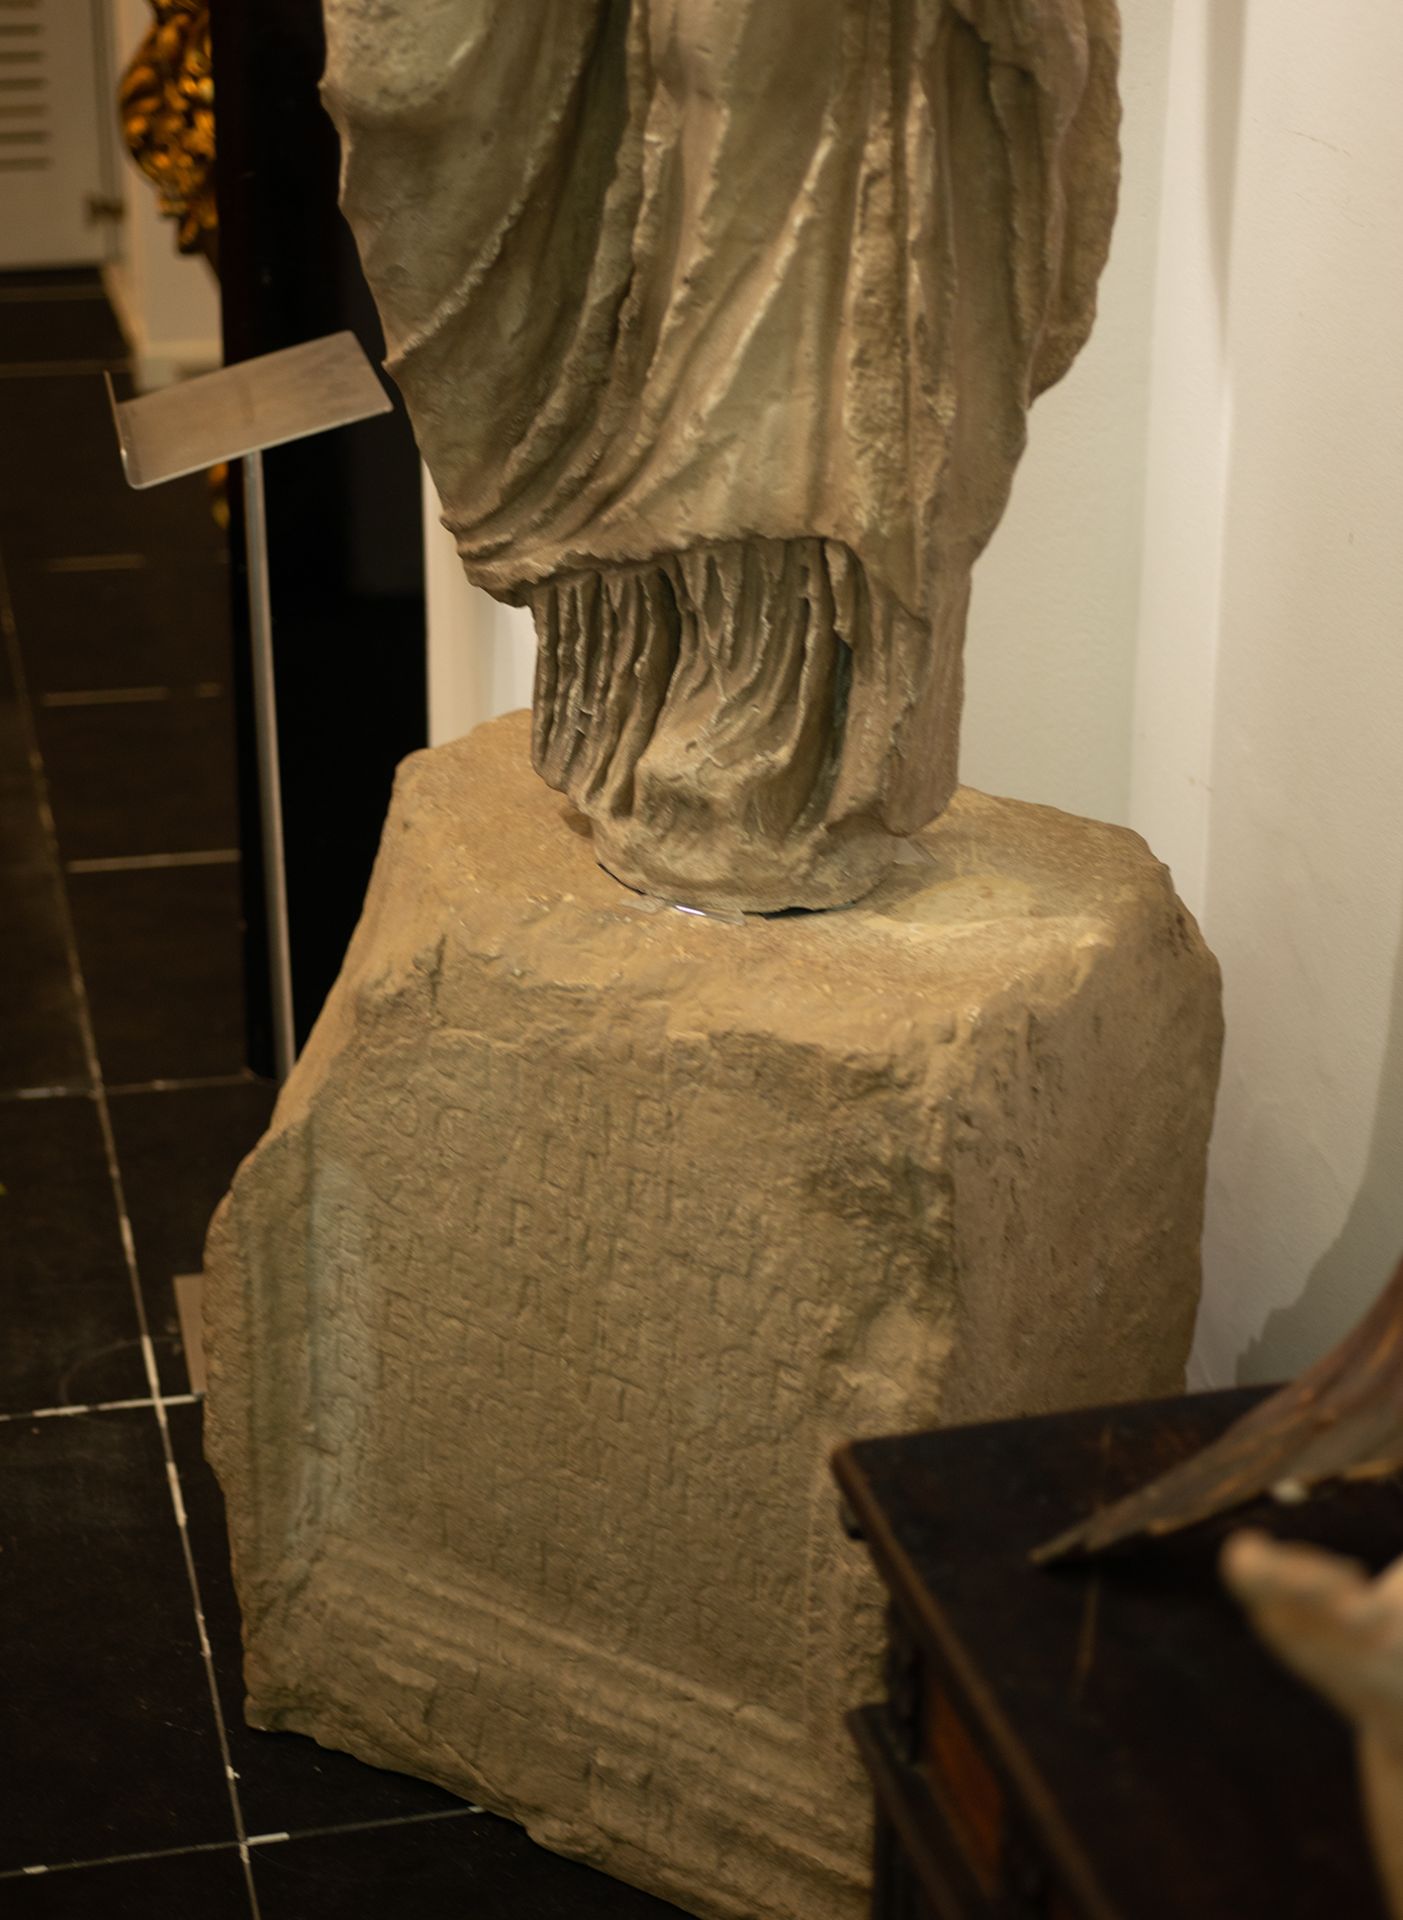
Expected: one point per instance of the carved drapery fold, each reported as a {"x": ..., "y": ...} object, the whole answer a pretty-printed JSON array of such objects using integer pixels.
[{"x": 662, "y": 277}]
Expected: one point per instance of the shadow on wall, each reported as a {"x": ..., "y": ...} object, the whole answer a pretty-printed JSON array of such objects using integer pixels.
[
  {"x": 1349, "y": 1277},
  {"x": 1225, "y": 45},
  {"x": 1217, "y": 64},
  {"x": 1306, "y": 1212}
]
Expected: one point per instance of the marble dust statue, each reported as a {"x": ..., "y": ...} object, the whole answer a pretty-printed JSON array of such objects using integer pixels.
[
  {"x": 719, "y": 321},
  {"x": 584, "y": 1230}
]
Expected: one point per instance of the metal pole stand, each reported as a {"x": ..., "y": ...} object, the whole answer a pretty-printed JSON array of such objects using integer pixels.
[{"x": 235, "y": 414}]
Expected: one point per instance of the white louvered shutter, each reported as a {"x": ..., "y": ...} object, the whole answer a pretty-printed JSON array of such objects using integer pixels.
[{"x": 50, "y": 148}]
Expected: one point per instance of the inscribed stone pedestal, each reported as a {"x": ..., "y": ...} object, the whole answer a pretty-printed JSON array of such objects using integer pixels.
[{"x": 584, "y": 1230}]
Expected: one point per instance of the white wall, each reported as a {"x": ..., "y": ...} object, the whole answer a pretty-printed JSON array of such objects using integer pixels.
[
  {"x": 1303, "y": 896},
  {"x": 1050, "y": 660},
  {"x": 1192, "y": 618},
  {"x": 481, "y": 655},
  {"x": 1229, "y": 675},
  {"x": 1188, "y": 444}
]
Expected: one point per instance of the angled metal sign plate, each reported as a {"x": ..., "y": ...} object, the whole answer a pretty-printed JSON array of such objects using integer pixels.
[{"x": 244, "y": 408}]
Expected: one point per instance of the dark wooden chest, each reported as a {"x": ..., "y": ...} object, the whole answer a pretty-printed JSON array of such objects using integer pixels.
[{"x": 1102, "y": 1741}]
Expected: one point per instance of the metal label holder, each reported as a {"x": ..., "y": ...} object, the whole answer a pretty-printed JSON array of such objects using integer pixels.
[{"x": 236, "y": 413}]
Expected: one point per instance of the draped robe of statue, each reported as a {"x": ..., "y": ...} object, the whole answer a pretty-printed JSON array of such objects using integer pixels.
[{"x": 718, "y": 321}]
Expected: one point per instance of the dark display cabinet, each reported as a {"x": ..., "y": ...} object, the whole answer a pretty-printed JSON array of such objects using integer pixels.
[
  {"x": 1103, "y": 1741},
  {"x": 344, "y": 527}
]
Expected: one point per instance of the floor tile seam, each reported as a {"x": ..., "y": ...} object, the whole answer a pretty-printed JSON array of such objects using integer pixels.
[
  {"x": 80, "y": 699},
  {"x": 47, "y": 864},
  {"x": 231, "y": 1778},
  {"x": 9, "y": 640},
  {"x": 467, "y": 1811},
  {"x": 10, "y": 634},
  {"x": 62, "y": 700},
  {"x": 62, "y": 1090},
  {"x": 114, "y": 560},
  {"x": 192, "y": 1083},
  {"x": 96, "y": 1091},
  {"x": 152, "y": 862},
  {"x": 37, "y": 1872},
  {"x": 82, "y": 1090},
  {"x": 66, "y": 1412}
]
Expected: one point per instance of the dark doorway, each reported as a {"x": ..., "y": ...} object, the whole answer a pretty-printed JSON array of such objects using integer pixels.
[{"x": 344, "y": 528}]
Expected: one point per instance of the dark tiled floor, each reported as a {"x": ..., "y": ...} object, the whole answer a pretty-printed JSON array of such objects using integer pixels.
[
  {"x": 59, "y": 329},
  {"x": 44, "y": 1048},
  {"x": 160, "y": 955},
  {"x": 97, "y": 1612},
  {"x": 129, "y": 626},
  {"x": 72, "y": 1335},
  {"x": 436, "y": 1870},
  {"x": 178, "y": 1149},
  {"x": 132, "y": 1786},
  {"x": 195, "y": 1886},
  {"x": 146, "y": 777}
]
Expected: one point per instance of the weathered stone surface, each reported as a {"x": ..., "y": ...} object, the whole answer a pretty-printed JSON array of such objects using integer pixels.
[
  {"x": 586, "y": 1228},
  {"x": 719, "y": 322}
]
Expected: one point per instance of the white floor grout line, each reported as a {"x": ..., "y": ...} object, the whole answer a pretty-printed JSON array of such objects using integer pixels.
[
  {"x": 466, "y": 1811},
  {"x": 120, "y": 1859},
  {"x": 154, "y": 862},
  {"x": 75, "y": 1090},
  {"x": 71, "y": 1091},
  {"x": 96, "y": 563},
  {"x": 104, "y": 697},
  {"x": 197, "y": 1083},
  {"x": 100, "y": 1406},
  {"x": 127, "y": 696},
  {"x": 254, "y": 1840},
  {"x": 114, "y": 1171}
]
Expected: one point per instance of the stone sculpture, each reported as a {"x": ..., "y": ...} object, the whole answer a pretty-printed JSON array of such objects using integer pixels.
[
  {"x": 1343, "y": 1633},
  {"x": 719, "y": 321},
  {"x": 584, "y": 1228}
]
